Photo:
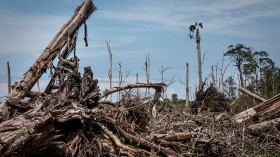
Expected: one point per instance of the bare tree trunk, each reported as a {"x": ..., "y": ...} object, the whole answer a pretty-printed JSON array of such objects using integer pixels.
[
  {"x": 199, "y": 60},
  {"x": 110, "y": 74},
  {"x": 187, "y": 86},
  {"x": 240, "y": 76},
  {"x": 9, "y": 78},
  {"x": 137, "y": 81},
  {"x": 161, "y": 71},
  {"x": 147, "y": 69},
  {"x": 120, "y": 78},
  {"x": 213, "y": 77},
  {"x": 217, "y": 82}
]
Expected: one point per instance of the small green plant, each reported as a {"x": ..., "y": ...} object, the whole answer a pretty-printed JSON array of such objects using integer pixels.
[{"x": 120, "y": 138}]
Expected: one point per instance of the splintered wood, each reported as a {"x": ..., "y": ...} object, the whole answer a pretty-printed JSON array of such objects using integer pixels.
[{"x": 269, "y": 106}]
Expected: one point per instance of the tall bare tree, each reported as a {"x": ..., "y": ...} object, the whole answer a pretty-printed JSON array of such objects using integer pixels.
[
  {"x": 222, "y": 70},
  {"x": 195, "y": 28},
  {"x": 187, "y": 86},
  {"x": 147, "y": 70},
  {"x": 161, "y": 71},
  {"x": 137, "y": 81},
  {"x": 110, "y": 73},
  {"x": 120, "y": 77},
  {"x": 213, "y": 77},
  {"x": 9, "y": 77}
]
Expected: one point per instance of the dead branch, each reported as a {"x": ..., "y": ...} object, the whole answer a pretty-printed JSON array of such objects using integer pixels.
[
  {"x": 174, "y": 136},
  {"x": 156, "y": 86},
  {"x": 146, "y": 144},
  {"x": 245, "y": 91}
]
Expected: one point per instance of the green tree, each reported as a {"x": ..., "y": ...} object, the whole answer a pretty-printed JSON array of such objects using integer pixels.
[
  {"x": 174, "y": 98},
  {"x": 270, "y": 81},
  {"x": 239, "y": 54},
  {"x": 254, "y": 69}
]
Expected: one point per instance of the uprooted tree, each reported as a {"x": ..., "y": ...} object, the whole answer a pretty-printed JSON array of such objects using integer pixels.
[
  {"x": 66, "y": 119},
  {"x": 69, "y": 118}
]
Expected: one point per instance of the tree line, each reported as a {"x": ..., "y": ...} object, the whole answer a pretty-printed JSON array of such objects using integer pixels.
[{"x": 256, "y": 70}]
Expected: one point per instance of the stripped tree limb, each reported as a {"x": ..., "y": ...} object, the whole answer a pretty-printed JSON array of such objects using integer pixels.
[
  {"x": 245, "y": 91},
  {"x": 174, "y": 136},
  {"x": 156, "y": 86},
  {"x": 116, "y": 140},
  {"x": 260, "y": 127}
]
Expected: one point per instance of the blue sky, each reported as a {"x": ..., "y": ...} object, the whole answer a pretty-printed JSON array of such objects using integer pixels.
[{"x": 136, "y": 28}]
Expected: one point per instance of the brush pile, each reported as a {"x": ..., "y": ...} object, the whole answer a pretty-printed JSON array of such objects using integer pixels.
[
  {"x": 210, "y": 100},
  {"x": 214, "y": 101}
]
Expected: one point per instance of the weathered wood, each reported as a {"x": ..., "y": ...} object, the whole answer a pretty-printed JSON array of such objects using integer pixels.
[
  {"x": 245, "y": 91},
  {"x": 187, "y": 86},
  {"x": 157, "y": 86},
  {"x": 110, "y": 73},
  {"x": 49, "y": 54},
  {"x": 54, "y": 48},
  {"x": 174, "y": 136},
  {"x": 116, "y": 140},
  {"x": 260, "y": 127},
  {"x": 272, "y": 104},
  {"x": 147, "y": 144},
  {"x": 16, "y": 131}
]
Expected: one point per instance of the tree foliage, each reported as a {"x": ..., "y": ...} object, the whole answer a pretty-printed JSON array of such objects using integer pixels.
[
  {"x": 239, "y": 54},
  {"x": 174, "y": 98},
  {"x": 257, "y": 71},
  {"x": 231, "y": 88},
  {"x": 193, "y": 28}
]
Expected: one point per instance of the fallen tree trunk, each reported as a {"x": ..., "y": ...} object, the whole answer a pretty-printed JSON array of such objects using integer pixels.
[
  {"x": 243, "y": 90},
  {"x": 261, "y": 127},
  {"x": 270, "y": 105}
]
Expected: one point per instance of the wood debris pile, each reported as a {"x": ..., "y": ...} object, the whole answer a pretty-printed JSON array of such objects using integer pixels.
[
  {"x": 214, "y": 101},
  {"x": 70, "y": 119},
  {"x": 211, "y": 100}
]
